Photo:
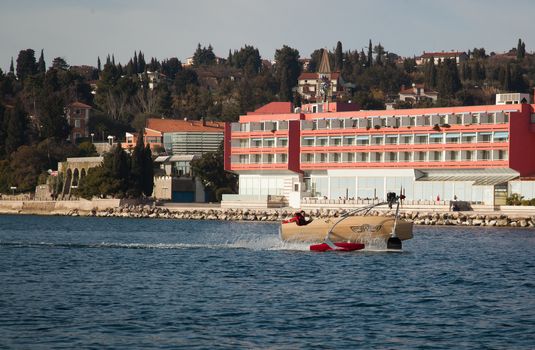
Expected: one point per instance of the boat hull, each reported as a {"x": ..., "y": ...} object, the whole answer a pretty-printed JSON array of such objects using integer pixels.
[{"x": 359, "y": 229}]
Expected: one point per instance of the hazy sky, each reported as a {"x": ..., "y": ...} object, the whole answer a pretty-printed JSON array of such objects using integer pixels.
[{"x": 79, "y": 30}]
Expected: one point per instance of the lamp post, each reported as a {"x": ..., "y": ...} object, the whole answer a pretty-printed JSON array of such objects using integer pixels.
[
  {"x": 92, "y": 135},
  {"x": 13, "y": 188}
]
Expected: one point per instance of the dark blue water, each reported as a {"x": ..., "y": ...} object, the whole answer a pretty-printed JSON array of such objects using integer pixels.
[{"x": 80, "y": 283}]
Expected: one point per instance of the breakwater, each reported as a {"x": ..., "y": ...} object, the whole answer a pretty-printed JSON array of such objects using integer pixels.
[{"x": 273, "y": 215}]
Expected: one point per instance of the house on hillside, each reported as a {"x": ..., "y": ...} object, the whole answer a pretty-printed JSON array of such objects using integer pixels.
[
  {"x": 77, "y": 114},
  {"x": 322, "y": 86},
  {"x": 417, "y": 93},
  {"x": 457, "y": 56}
]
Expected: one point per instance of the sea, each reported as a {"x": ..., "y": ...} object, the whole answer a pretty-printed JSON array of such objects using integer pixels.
[{"x": 112, "y": 283}]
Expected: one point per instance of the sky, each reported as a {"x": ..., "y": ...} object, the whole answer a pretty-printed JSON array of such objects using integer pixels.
[{"x": 79, "y": 31}]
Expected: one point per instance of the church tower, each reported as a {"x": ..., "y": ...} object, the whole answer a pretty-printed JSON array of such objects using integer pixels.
[{"x": 324, "y": 88}]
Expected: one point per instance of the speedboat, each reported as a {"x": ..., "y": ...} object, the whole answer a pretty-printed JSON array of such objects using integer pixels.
[
  {"x": 356, "y": 226},
  {"x": 360, "y": 229}
]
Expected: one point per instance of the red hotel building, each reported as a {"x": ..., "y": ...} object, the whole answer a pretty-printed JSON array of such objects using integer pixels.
[{"x": 332, "y": 150}]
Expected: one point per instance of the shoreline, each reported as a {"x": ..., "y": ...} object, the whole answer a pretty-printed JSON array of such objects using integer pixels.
[{"x": 498, "y": 219}]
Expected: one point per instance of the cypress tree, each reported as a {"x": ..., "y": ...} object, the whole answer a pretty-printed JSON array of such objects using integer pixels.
[
  {"x": 41, "y": 66},
  {"x": 99, "y": 67},
  {"x": 141, "y": 62},
  {"x": 370, "y": 54},
  {"x": 338, "y": 57},
  {"x": 137, "y": 166},
  {"x": 135, "y": 63},
  {"x": 148, "y": 172},
  {"x": 3, "y": 116}
]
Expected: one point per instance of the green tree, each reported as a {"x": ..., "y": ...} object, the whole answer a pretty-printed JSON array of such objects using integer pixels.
[
  {"x": 204, "y": 56},
  {"x": 338, "y": 57},
  {"x": 430, "y": 76},
  {"x": 448, "y": 81},
  {"x": 370, "y": 54},
  {"x": 287, "y": 71},
  {"x": 247, "y": 58},
  {"x": 60, "y": 63},
  {"x": 26, "y": 64},
  {"x": 41, "y": 66},
  {"x": 136, "y": 167},
  {"x": 87, "y": 149},
  {"x": 148, "y": 172},
  {"x": 16, "y": 127},
  {"x": 520, "y": 50},
  {"x": 53, "y": 123},
  {"x": 210, "y": 170}
]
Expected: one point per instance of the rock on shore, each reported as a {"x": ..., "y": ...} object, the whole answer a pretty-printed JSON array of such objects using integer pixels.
[{"x": 275, "y": 215}]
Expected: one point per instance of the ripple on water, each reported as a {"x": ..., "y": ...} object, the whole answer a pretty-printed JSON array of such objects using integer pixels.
[{"x": 133, "y": 284}]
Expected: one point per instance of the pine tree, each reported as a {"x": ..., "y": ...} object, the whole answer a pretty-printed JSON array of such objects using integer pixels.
[
  {"x": 3, "y": 117},
  {"x": 120, "y": 168},
  {"x": 113, "y": 59},
  {"x": 99, "y": 67},
  {"x": 41, "y": 66}
]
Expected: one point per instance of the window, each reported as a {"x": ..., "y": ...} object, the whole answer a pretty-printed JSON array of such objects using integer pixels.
[
  {"x": 283, "y": 142},
  {"x": 255, "y": 143},
  {"x": 322, "y": 157},
  {"x": 336, "y": 141},
  {"x": 363, "y": 140},
  {"x": 351, "y": 157},
  {"x": 270, "y": 158},
  {"x": 420, "y": 139},
  {"x": 420, "y": 156},
  {"x": 244, "y": 158},
  {"x": 284, "y": 158},
  {"x": 436, "y": 138},
  {"x": 77, "y": 123},
  {"x": 321, "y": 141},
  {"x": 269, "y": 142},
  {"x": 336, "y": 157},
  {"x": 377, "y": 140},
  {"x": 307, "y": 141},
  {"x": 501, "y": 136},
  {"x": 392, "y": 139},
  {"x": 484, "y": 136},
  {"x": 468, "y": 137},
  {"x": 256, "y": 158},
  {"x": 349, "y": 140},
  {"x": 453, "y": 137},
  {"x": 405, "y": 139},
  {"x": 244, "y": 143}
]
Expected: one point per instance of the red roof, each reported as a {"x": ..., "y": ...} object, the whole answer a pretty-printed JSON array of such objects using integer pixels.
[
  {"x": 79, "y": 105},
  {"x": 274, "y": 108},
  {"x": 175, "y": 125},
  {"x": 441, "y": 54}
]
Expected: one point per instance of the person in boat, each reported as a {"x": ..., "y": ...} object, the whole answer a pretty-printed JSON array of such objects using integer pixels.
[{"x": 298, "y": 218}]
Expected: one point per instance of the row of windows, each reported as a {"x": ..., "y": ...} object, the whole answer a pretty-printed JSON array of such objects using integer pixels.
[
  {"x": 420, "y": 156},
  {"x": 406, "y": 121},
  {"x": 260, "y": 126},
  {"x": 408, "y": 139},
  {"x": 260, "y": 142},
  {"x": 271, "y": 158}
]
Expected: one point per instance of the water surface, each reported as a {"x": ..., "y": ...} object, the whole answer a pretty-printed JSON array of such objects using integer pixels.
[{"x": 136, "y": 284}]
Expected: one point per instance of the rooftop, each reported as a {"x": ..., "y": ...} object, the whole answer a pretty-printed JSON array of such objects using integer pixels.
[{"x": 175, "y": 125}]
